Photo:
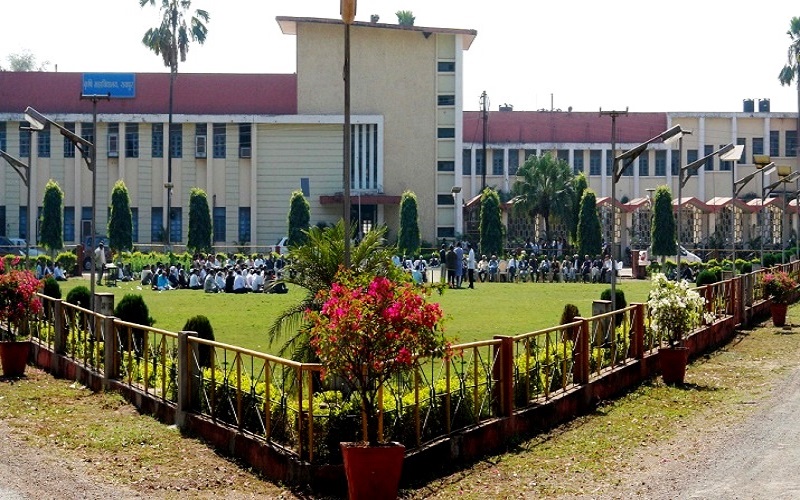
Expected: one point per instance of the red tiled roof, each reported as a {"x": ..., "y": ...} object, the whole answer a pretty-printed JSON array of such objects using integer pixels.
[
  {"x": 562, "y": 127},
  {"x": 195, "y": 93}
]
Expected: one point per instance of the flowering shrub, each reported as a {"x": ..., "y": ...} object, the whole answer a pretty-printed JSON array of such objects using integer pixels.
[
  {"x": 778, "y": 286},
  {"x": 17, "y": 299},
  {"x": 370, "y": 329},
  {"x": 674, "y": 308}
]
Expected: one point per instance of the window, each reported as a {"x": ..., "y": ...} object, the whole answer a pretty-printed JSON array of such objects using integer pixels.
[
  {"x": 43, "y": 142},
  {"x": 644, "y": 165},
  {"x": 132, "y": 141},
  {"x": 498, "y": 158},
  {"x": 446, "y": 66},
  {"x": 691, "y": 156},
  {"x": 529, "y": 153},
  {"x": 3, "y": 218},
  {"x": 466, "y": 162},
  {"x": 513, "y": 161},
  {"x": 725, "y": 165},
  {"x": 176, "y": 143},
  {"x": 446, "y": 100},
  {"x": 175, "y": 224},
  {"x": 305, "y": 186},
  {"x": 219, "y": 224},
  {"x": 577, "y": 162},
  {"x": 774, "y": 143},
  {"x": 113, "y": 140},
  {"x": 758, "y": 146},
  {"x": 87, "y": 132},
  {"x": 661, "y": 163},
  {"x": 791, "y": 143},
  {"x": 158, "y": 140},
  {"x": 244, "y": 224},
  {"x": 23, "y": 223},
  {"x": 446, "y": 165},
  {"x": 201, "y": 140},
  {"x": 24, "y": 141},
  {"x": 446, "y": 232},
  {"x": 609, "y": 161},
  {"x": 563, "y": 155},
  {"x": 595, "y": 159},
  {"x": 364, "y": 156},
  {"x": 156, "y": 224},
  {"x": 3, "y": 138},
  {"x": 245, "y": 138},
  {"x": 709, "y": 165},
  {"x": 219, "y": 140},
  {"x": 446, "y": 132},
  {"x": 134, "y": 224},
  {"x": 479, "y": 161},
  {"x": 741, "y": 141},
  {"x": 69, "y": 223},
  {"x": 445, "y": 199},
  {"x": 69, "y": 148},
  {"x": 676, "y": 162}
]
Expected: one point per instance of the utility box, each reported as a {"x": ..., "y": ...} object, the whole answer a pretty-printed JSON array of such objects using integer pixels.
[{"x": 104, "y": 303}]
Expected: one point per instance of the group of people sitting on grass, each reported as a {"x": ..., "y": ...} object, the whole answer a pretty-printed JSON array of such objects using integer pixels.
[
  {"x": 247, "y": 275},
  {"x": 523, "y": 267},
  {"x": 49, "y": 269}
]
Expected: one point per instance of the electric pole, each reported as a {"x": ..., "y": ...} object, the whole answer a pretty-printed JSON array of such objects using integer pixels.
[{"x": 485, "y": 115}]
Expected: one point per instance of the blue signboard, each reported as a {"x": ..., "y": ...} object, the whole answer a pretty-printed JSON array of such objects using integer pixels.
[{"x": 118, "y": 85}]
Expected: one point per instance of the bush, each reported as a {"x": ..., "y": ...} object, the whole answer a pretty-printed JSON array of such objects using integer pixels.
[
  {"x": 568, "y": 316},
  {"x": 80, "y": 296},
  {"x": 770, "y": 259},
  {"x": 621, "y": 303},
  {"x": 51, "y": 288},
  {"x": 67, "y": 261},
  {"x": 202, "y": 326},
  {"x": 706, "y": 277},
  {"x": 133, "y": 309}
]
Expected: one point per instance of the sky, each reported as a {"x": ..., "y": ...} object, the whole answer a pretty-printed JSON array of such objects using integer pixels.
[{"x": 699, "y": 55}]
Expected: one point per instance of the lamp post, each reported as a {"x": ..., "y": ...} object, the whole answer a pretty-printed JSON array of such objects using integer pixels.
[
  {"x": 347, "y": 9},
  {"x": 627, "y": 158},
  {"x": 680, "y": 195},
  {"x": 87, "y": 149},
  {"x": 24, "y": 172},
  {"x": 785, "y": 176},
  {"x": 765, "y": 166}
]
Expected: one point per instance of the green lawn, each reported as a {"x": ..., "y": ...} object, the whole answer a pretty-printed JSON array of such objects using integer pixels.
[{"x": 490, "y": 309}]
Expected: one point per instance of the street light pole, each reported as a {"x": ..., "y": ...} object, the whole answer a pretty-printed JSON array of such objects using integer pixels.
[
  {"x": 765, "y": 165},
  {"x": 347, "y": 9},
  {"x": 24, "y": 172},
  {"x": 680, "y": 194},
  {"x": 613, "y": 114},
  {"x": 30, "y": 220}
]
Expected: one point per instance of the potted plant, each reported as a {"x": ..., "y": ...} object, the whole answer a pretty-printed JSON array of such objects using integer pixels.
[
  {"x": 18, "y": 300},
  {"x": 674, "y": 310},
  {"x": 369, "y": 330},
  {"x": 778, "y": 287}
]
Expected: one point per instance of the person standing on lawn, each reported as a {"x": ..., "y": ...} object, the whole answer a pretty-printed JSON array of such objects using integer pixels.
[
  {"x": 471, "y": 265},
  {"x": 100, "y": 262}
]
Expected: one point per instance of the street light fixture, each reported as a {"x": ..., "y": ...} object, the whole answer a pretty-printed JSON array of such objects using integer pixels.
[
  {"x": 24, "y": 172},
  {"x": 766, "y": 166},
  {"x": 627, "y": 158},
  {"x": 785, "y": 176},
  {"x": 347, "y": 9}
]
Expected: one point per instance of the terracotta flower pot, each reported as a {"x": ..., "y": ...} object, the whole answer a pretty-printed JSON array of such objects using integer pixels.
[
  {"x": 373, "y": 472},
  {"x": 673, "y": 361},
  {"x": 778, "y": 313},
  {"x": 14, "y": 358}
]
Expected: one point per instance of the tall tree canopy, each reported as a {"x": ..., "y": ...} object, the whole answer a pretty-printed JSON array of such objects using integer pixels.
[
  {"x": 663, "y": 227},
  {"x": 589, "y": 233},
  {"x": 789, "y": 73},
  {"x": 24, "y": 61},
  {"x": 579, "y": 186},
  {"x": 408, "y": 239},
  {"x": 200, "y": 229},
  {"x": 120, "y": 225},
  {"x": 52, "y": 236},
  {"x": 491, "y": 223},
  {"x": 544, "y": 187},
  {"x": 299, "y": 219}
]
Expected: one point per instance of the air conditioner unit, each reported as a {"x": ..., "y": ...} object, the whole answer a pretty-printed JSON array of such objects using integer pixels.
[
  {"x": 113, "y": 145},
  {"x": 200, "y": 144},
  {"x": 244, "y": 152}
]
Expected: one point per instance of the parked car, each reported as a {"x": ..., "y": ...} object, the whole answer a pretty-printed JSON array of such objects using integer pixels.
[
  {"x": 281, "y": 247},
  {"x": 7, "y": 246},
  {"x": 18, "y": 242},
  {"x": 686, "y": 256}
]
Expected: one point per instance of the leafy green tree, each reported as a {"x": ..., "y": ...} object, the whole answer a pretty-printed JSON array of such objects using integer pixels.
[
  {"x": 579, "y": 186},
  {"x": 313, "y": 268},
  {"x": 790, "y": 71},
  {"x": 25, "y": 61},
  {"x": 199, "y": 238},
  {"x": 491, "y": 223},
  {"x": 170, "y": 40},
  {"x": 408, "y": 239},
  {"x": 662, "y": 230},
  {"x": 544, "y": 187},
  {"x": 405, "y": 18},
  {"x": 52, "y": 236},
  {"x": 120, "y": 225},
  {"x": 589, "y": 234},
  {"x": 299, "y": 218}
]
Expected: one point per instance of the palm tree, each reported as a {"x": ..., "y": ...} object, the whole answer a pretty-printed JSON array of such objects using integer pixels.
[
  {"x": 171, "y": 39},
  {"x": 314, "y": 266},
  {"x": 790, "y": 71},
  {"x": 544, "y": 187}
]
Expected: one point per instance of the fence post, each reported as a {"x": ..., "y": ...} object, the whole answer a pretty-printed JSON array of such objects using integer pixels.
[
  {"x": 582, "y": 353},
  {"x": 637, "y": 337},
  {"x": 505, "y": 363},
  {"x": 110, "y": 351},
  {"x": 187, "y": 371},
  {"x": 59, "y": 328}
]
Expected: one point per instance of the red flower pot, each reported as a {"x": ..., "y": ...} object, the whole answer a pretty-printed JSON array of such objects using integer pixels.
[
  {"x": 778, "y": 313},
  {"x": 673, "y": 361},
  {"x": 373, "y": 472},
  {"x": 14, "y": 358}
]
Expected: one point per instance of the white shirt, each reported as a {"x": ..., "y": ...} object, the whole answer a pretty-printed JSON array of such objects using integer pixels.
[
  {"x": 471, "y": 259},
  {"x": 100, "y": 255}
]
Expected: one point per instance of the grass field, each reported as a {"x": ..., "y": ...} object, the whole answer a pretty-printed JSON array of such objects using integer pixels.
[{"x": 490, "y": 309}]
